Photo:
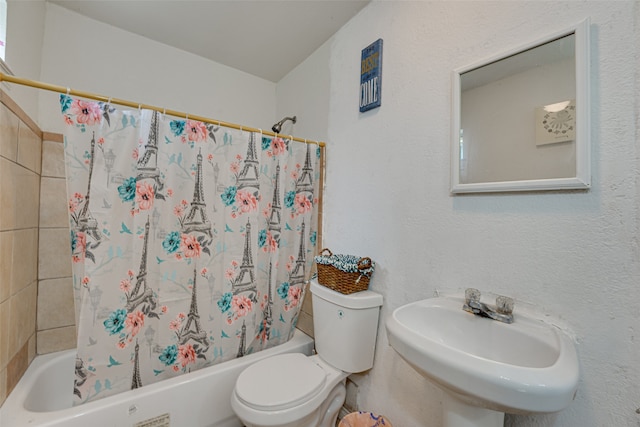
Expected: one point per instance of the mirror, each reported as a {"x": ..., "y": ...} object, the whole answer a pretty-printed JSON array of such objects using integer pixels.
[{"x": 521, "y": 119}]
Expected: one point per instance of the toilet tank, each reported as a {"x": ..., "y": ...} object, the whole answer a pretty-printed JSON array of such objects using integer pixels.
[{"x": 345, "y": 327}]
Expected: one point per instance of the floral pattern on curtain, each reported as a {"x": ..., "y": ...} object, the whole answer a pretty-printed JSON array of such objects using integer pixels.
[{"x": 191, "y": 243}]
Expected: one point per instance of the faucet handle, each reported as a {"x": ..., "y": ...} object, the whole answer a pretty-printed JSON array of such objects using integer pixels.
[
  {"x": 504, "y": 305},
  {"x": 471, "y": 295}
]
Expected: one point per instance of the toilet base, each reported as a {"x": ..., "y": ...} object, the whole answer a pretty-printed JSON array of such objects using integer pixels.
[
  {"x": 324, "y": 416},
  {"x": 331, "y": 407}
]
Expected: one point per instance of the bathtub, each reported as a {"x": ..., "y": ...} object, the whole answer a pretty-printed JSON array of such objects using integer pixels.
[{"x": 199, "y": 399}]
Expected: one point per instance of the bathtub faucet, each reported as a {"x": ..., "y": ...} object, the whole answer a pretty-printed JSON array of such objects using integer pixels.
[{"x": 503, "y": 311}]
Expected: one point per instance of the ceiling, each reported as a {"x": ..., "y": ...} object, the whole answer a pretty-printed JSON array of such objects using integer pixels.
[{"x": 265, "y": 38}]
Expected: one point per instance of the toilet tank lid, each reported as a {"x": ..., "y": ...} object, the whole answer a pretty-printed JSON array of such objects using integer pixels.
[{"x": 357, "y": 300}]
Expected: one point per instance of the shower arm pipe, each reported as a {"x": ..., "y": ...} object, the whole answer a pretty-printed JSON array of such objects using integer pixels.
[{"x": 65, "y": 90}]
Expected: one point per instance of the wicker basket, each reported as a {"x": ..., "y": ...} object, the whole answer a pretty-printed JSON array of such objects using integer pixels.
[{"x": 344, "y": 273}]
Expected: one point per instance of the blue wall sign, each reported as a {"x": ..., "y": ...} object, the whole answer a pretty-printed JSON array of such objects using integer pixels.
[{"x": 371, "y": 76}]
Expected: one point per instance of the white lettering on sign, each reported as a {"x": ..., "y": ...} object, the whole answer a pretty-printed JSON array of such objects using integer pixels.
[{"x": 369, "y": 92}]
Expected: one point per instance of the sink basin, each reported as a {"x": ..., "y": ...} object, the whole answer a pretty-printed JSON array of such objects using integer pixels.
[{"x": 526, "y": 367}]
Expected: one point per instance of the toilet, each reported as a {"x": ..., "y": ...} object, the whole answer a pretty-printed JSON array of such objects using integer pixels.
[{"x": 308, "y": 391}]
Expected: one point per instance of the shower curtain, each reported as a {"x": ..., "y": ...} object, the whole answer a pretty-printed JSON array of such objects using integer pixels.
[{"x": 190, "y": 242}]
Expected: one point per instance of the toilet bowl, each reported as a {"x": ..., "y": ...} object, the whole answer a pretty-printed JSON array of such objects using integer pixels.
[{"x": 294, "y": 390}]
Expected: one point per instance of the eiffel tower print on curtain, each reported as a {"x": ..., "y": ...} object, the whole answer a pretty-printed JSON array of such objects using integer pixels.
[
  {"x": 299, "y": 271},
  {"x": 147, "y": 166},
  {"x": 267, "y": 313},
  {"x": 86, "y": 222},
  {"x": 243, "y": 341},
  {"x": 245, "y": 281},
  {"x": 192, "y": 329},
  {"x": 249, "y": 175},
  {"x": 153, "y": 302},
  {"x": 275, "y": 220},
  {"x": 305, "y": 180},
  {"x": 136, "y": 380},
  {"x": 141, "y": 293},
  {"x": 196, "y": 218}
]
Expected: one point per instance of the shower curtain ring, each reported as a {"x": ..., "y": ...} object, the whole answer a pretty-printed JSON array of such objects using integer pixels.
[
  {"x": 164, "y": 111},
  {"x": 68, "y": 90}
]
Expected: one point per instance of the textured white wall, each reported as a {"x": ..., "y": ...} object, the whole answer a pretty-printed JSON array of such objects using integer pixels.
[
  {"x": 574, "y": 255},
  {"x": 25, "y": 32},
  {"x": 304, "y": 93},
  {"x": 88, "y": 55}
]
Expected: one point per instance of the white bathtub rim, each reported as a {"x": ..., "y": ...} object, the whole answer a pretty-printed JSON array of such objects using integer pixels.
[{"x": 13, "y": 409}]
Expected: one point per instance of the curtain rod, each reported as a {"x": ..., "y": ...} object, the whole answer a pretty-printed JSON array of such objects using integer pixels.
[{"x": 60, "y": 89}]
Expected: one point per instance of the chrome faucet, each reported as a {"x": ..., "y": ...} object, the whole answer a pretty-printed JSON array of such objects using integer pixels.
[{"x": 503, "y": 311}]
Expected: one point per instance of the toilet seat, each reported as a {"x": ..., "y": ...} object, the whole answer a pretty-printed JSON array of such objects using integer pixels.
[
  {"x": 280, "y": 382},
  {"x": 288, "y": 390}
]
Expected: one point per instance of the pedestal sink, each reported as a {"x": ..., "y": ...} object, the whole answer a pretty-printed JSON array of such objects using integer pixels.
[{"x": 486, "y": 367}]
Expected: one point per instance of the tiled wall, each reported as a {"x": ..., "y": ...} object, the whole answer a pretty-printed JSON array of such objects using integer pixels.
[
  {"x": 36, "y": 295},
  {"x": 56, "y": 319},
  {"x": 20, "y": 161}
]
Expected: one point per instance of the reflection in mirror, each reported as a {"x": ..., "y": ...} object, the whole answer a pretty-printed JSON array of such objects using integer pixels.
[
  {"x": 503, "y": 125},
  {"x": 521, "y": 119}
]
